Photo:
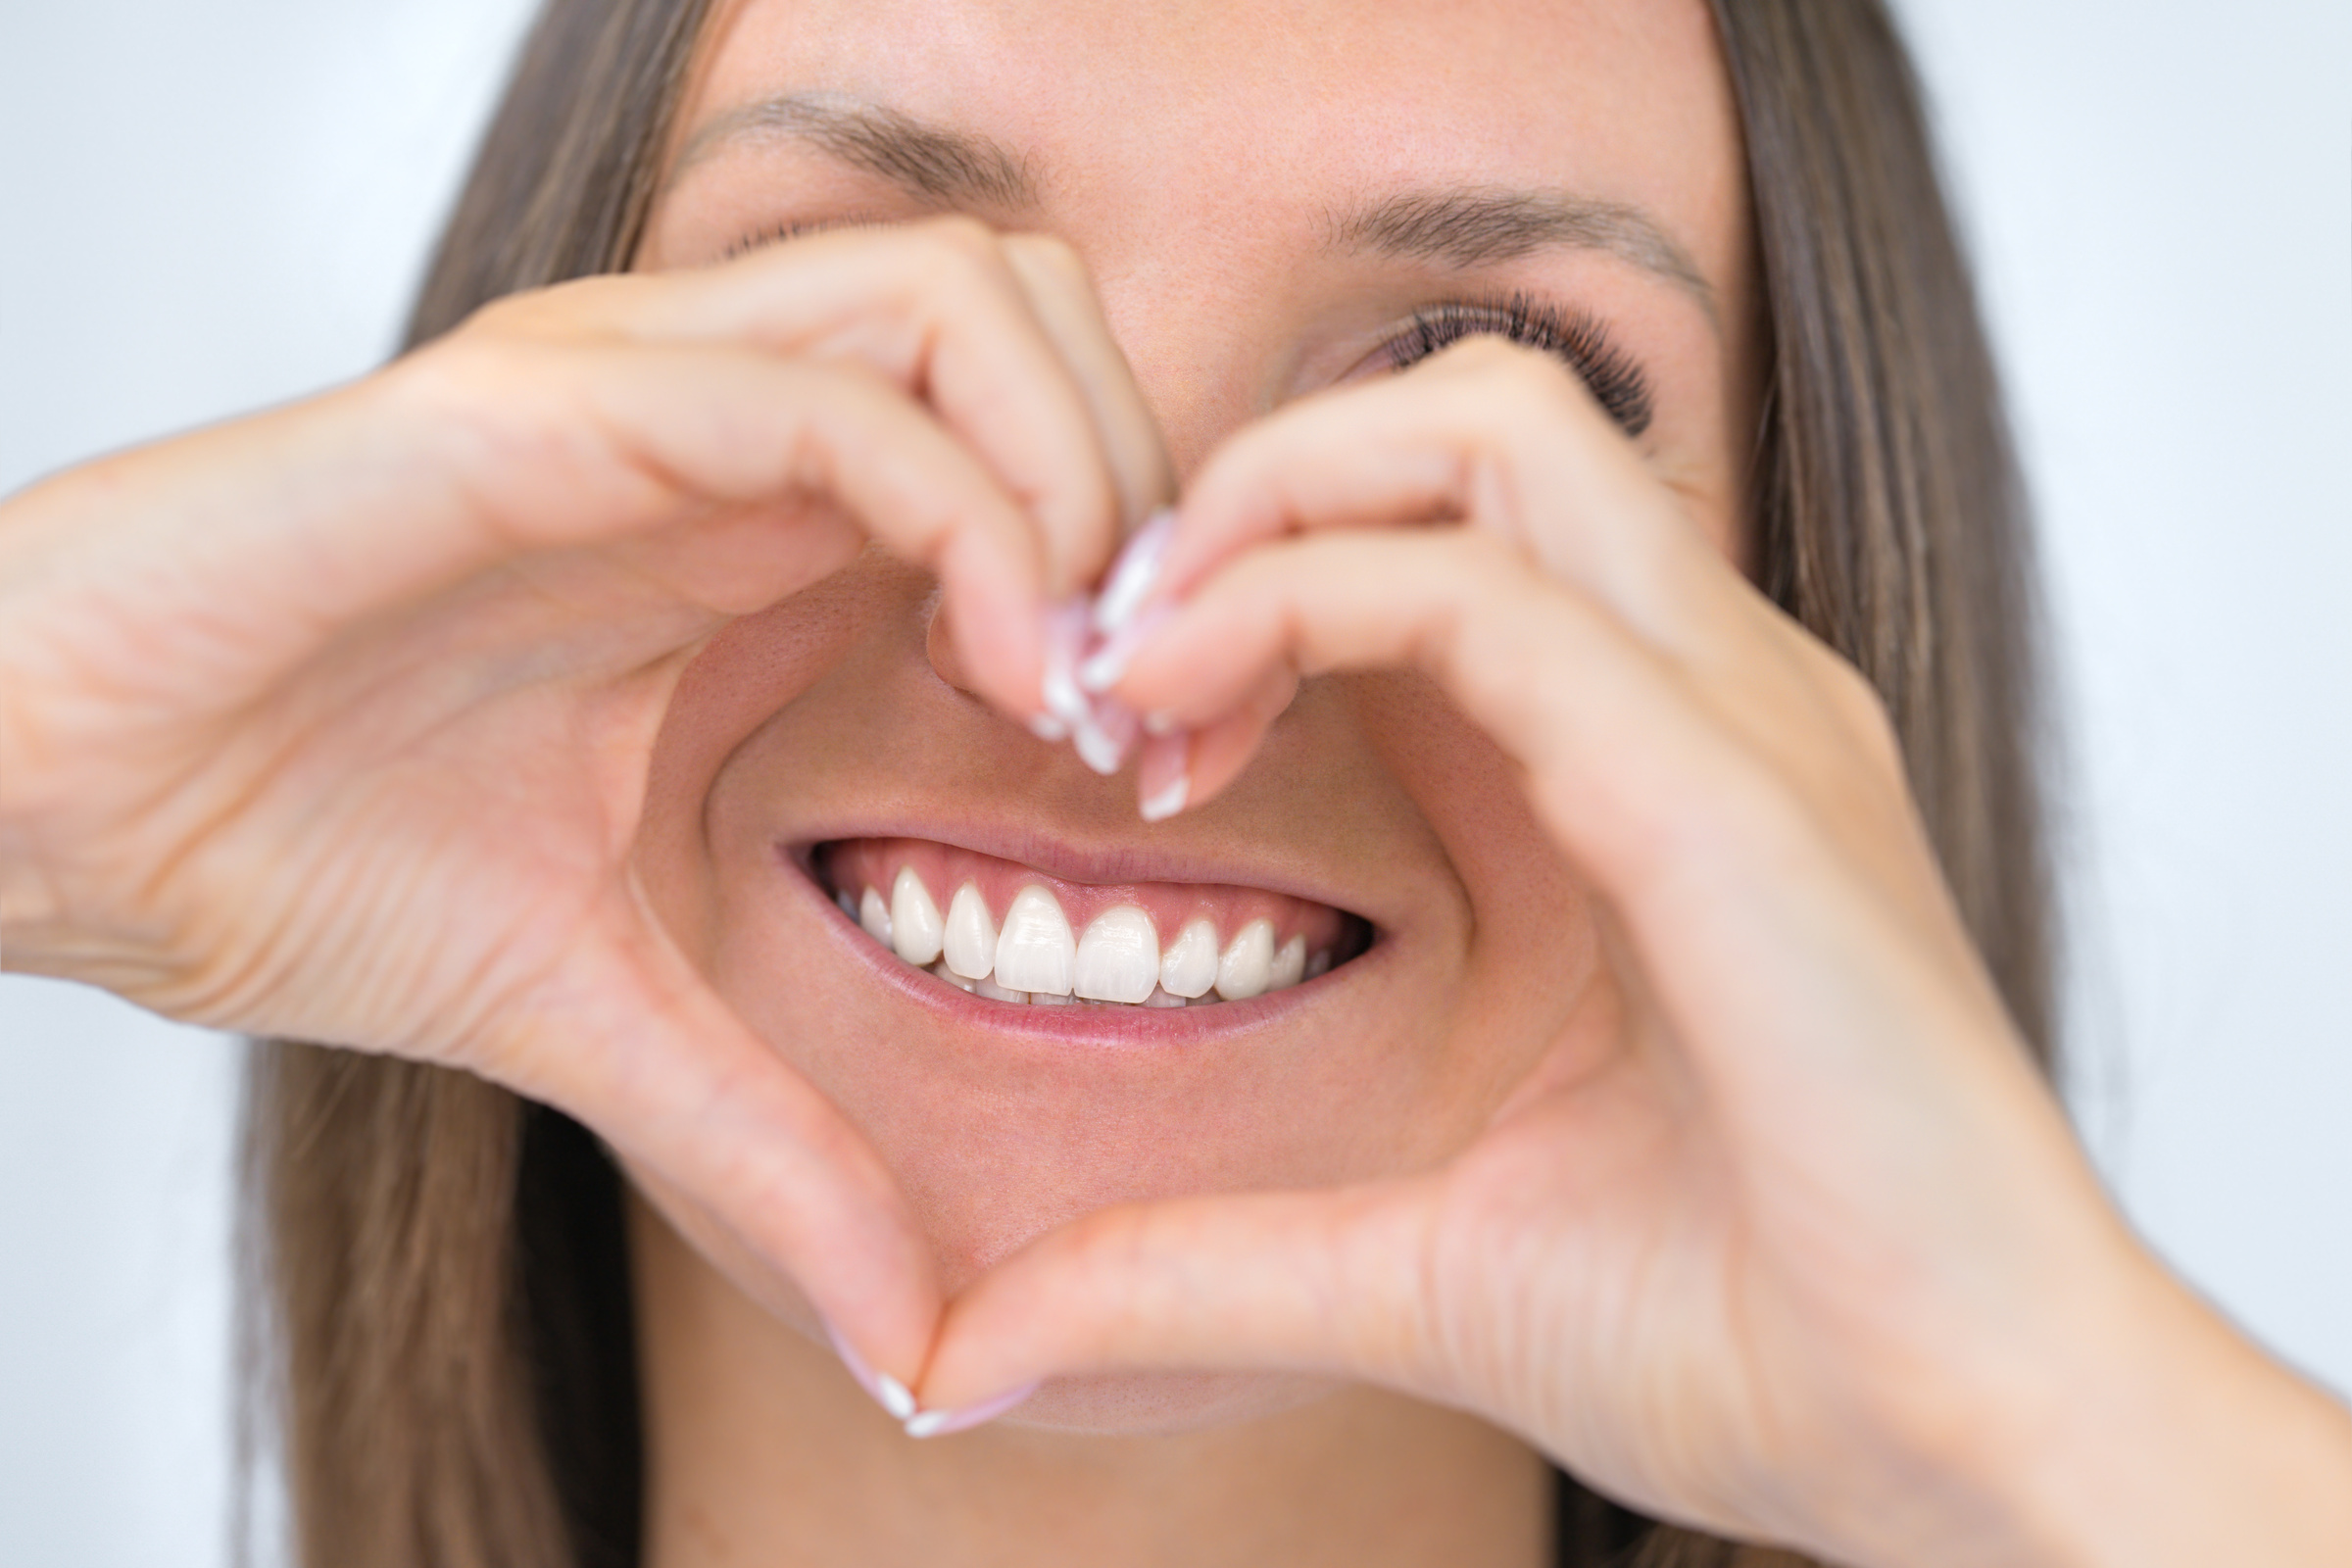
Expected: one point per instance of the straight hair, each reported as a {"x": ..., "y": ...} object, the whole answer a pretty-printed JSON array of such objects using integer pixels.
[{"x": 438, "y": 1325}]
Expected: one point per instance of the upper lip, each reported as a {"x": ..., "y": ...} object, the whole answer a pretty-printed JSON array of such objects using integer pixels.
[{"x": 1100, "y": 863}]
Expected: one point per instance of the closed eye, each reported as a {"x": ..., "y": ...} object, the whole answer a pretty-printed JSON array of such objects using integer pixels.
[{"x": 1616, "y": 382}]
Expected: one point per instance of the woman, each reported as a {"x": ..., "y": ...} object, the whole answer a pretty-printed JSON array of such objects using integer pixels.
[{"x": 1662, "y": 1106}]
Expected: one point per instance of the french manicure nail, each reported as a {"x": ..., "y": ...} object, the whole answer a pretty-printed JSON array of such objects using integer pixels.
[
  {"x": 886, "y": 1390},
  {"x": 1134, "y": 573},
  {"x": 1103, "y": 741},
  {"x": 1046, "y": 728},
  {"x": 1065, "y": 637},
  {"x": 944, "y": 1423},
  {"x": 1099, "y": 751},
  {"x": 1164, "y": 779},
  {"x": 1106, "y": 665}
]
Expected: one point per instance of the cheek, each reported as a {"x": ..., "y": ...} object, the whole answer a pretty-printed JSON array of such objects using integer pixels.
[
  {"x": 752, "y": 669},
  {"x": 1536, "y": 983}
]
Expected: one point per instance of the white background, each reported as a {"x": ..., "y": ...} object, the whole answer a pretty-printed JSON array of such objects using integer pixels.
[{"x": 211, "y": 207}]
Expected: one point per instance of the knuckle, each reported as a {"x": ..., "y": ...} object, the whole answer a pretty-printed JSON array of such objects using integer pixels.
[
  {"x": 1051, "y": 255},
  {"x": 464, "y": 371},
  {"x": 958, "y": 249},
  {"x": 957, "y": 268},
  {"x": 560, "y": 310},
  {"x": 1519, "y": 369},
  {"x": 1515, "y": 393},
  {"x": 1864, "y": 712}
]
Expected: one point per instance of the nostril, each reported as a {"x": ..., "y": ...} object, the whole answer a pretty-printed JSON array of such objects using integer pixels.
[{"x": 939, "y": 646}]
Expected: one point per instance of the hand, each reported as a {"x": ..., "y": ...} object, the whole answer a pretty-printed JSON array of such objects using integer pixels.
[
  {"x": 334, "y": 723},
  {"x": 1809, "y": 1254}
]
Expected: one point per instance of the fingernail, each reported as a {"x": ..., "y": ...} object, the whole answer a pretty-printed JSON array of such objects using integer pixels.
[
  {"x": 1106, "y": 665},
  {"x": 1046, "y": 728},
  {"x": 1164, "y": 779},
  {"x": 945, "y": 1423},
  {"x": 886, "y": 1390},
  {"x": 1102, "y": 740},
  {"x": 1160, "y": 721},
  {"x": 1134, "y": 573},
  {"x": 1065, "y": 637}
]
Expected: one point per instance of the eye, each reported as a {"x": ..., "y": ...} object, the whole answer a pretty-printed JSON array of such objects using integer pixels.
[
  {"x": 1616, "y": 382},
  {"x": 778, "y": 234}
]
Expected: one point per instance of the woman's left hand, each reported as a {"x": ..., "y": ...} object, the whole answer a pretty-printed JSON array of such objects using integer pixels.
[{"x": 1810, "y": 1255}]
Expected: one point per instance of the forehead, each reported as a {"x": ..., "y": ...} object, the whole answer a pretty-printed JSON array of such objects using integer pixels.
[{"x": 1186, "y": 114}]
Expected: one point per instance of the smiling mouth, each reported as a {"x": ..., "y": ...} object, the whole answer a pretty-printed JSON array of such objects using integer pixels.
[{"x": 1010, "y": 934}]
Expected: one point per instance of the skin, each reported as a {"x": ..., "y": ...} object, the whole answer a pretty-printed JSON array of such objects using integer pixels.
[
  {"x": 548, "y": 637},
  {"x": 1373, "y": 793}
]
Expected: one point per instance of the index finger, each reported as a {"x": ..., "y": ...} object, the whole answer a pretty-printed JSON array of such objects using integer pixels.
[{"x": 941, "y": 309}]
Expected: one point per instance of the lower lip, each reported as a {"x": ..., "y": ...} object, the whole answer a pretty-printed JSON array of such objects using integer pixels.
[{"x": 1112, "y": 1024}]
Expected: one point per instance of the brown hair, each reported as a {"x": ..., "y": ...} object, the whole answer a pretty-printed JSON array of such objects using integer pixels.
[{"x": 441, "y": 1316}]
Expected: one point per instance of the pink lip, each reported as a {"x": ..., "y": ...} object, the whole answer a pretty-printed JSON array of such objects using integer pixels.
[{"x": 1065, "y": 861}]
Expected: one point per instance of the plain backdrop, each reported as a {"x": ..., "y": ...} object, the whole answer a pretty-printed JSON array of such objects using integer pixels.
[{"x": 211, "y": 207}]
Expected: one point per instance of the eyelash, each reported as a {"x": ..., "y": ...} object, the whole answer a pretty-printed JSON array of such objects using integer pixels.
[
  {"x": 781, "y": 232},
  {"x": 1579, "y": 340},
  {"x": 1616, "y": 382}
]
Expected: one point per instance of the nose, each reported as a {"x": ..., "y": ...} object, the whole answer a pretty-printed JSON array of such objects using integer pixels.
[
  {"x": 939, "y": 646},
  {"x": 1201, "y": 333}
]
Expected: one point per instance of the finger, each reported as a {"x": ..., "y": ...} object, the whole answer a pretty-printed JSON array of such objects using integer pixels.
[
  {"x": 1210, "y": 759},
  {"x": 905, "y": 479},
  {"x": 1617, "y": 750},
  {"x": 1490, "y": 434},
  {"x": 1736, "y": 840},
  {"x": 537, "y": 447},
  {"x": 940, "y": 309},
  {"x": 1063, "y": 298},
  {"x": 1467, "y": 608},
  {"x": 645, "y": 1053},
  {"x": 1325, "y": 1283}
]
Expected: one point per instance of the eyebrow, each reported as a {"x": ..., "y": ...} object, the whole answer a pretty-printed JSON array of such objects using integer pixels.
[
  {"x": 1460, "y": 228},
  {"x": 951, "y": 168},
  {"x": 1478, "y": 227}
]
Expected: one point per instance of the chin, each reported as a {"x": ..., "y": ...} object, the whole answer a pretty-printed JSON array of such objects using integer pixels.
[{"x": 1164, "y": 1403}]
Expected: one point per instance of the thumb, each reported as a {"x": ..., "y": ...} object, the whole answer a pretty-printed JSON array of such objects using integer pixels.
[
  {"x": 648, "y": 1056},
  {"x": 1325, "y": 1282}
]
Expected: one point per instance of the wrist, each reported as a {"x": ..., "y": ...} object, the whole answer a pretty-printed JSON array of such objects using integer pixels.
[{"x": 2157, "y": 1434}]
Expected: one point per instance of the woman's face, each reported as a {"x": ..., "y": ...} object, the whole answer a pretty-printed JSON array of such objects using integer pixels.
[{"x": 1265, "y": 194}]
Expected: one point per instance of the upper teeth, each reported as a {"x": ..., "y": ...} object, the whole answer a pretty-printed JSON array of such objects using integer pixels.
[{"x": 1034, "y": 959}]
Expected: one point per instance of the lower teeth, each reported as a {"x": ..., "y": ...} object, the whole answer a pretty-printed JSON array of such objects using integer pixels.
[{"x": 995, "y": 993}]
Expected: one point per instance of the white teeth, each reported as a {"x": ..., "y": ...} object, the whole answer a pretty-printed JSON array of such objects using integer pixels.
[
  {"x": 915, "y": 923},
  {"x": 873, "y": 915},
  {"x": 1034, "y": 959},
  {"x": 970, "y": 944},
  {"x": 1035, "y": 952},
  {"x": 1118, "y": 957},
  {"x": 1247, "y": 967},
  {"x": 1190, "y": 966},
  {"x": 995, "y": 993},
  {"x": 1289, "y": 965}
]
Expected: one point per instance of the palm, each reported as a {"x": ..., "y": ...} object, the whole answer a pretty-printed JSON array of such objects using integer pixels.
[
  {"x": 1627, "y": 1262},
  {"x": 417, "y": 835}
]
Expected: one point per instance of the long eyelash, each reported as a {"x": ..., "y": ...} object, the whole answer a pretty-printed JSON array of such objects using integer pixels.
[
  {"x": 778, "y": 234},
  {"x": 1616, "y": 382}
]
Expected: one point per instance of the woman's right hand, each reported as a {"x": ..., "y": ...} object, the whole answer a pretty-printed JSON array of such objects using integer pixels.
[{"x": 334, "y": 722}]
